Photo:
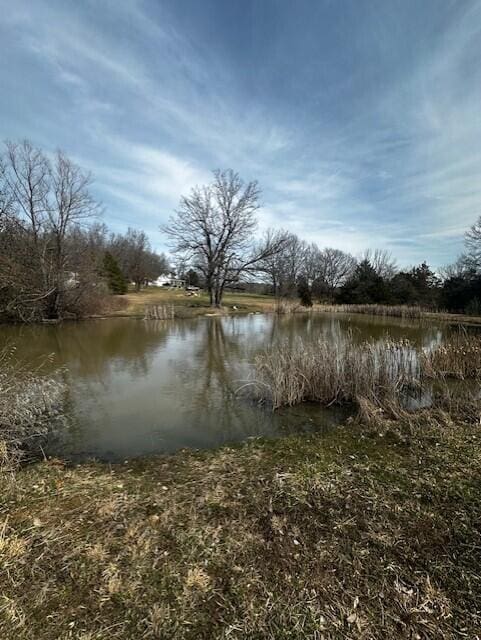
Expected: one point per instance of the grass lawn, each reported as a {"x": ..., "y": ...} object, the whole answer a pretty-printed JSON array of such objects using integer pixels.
[
  {"x": 363, "y": 533},
  {"x": 134, "y": 303}
]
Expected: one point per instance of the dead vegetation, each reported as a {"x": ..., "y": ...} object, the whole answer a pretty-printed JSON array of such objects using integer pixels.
[
  {"x": 31, "y": 405},
  {"x": 285, "y": 306},
  {"x": 398, "y": 311},
  {"x": 367, "y": 532},
  {"x": 159, "y": 312},
  {"x": 381, "y": 372},
  {"x": 331, "y": 373},
  {"x": 459, "y": 357}
]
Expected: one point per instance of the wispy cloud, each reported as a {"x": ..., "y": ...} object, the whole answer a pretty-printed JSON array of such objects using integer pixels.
[{"x": 361, "y": 123}]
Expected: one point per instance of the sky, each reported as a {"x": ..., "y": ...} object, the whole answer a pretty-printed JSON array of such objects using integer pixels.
[{"x": 361, "y": 119}]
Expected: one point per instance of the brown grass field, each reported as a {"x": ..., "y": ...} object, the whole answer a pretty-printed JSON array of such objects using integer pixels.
[
  {"x": 367, "y": 532},
  {"x": 133, "y": 304}
]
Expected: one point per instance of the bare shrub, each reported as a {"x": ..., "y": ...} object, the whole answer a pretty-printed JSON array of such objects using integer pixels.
[{"x": 30, "y": 406}]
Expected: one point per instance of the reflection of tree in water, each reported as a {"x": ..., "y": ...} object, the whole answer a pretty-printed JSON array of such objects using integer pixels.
[
  {"x": 196, "y": 366},
  {"x": 90, "y": 349},
  {"x": 337, "y": 327},
  {"x": 212, "y": 377}
]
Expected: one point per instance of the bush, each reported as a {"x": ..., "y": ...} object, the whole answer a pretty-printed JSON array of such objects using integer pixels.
[{"x": 31, "y": 405}]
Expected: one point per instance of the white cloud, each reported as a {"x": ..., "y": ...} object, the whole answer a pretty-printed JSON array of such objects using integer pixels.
[{"x": 151, "y": 112}]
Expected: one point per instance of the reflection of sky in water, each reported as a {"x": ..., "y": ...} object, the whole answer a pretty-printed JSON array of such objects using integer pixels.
[{"x": 139, "y": 387}]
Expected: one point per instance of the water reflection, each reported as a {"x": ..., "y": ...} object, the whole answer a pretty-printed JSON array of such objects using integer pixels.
[{"x": 138, "y": 387}]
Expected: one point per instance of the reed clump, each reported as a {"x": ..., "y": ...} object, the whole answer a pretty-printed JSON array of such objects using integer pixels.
[
  {"x": 459, "y": 357},
  {"x": 31, "y": 404},
  {"x": 159, "y": 312},
  {"x": 283, "y": 306},
  {"x": 336, "y": 373},
  {"x": 382, "y": 373},
  {"x": 397, "y": 311}
]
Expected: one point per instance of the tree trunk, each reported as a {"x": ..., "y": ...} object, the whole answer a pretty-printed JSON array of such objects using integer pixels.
[
  {"x": 220, "y": 294},
  {"x": 53, "y": 305}
]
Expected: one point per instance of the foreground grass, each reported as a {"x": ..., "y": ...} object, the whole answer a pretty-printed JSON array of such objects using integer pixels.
[
  {"x": 361, "y": 533},
  {"x": 133, "y": 304}
]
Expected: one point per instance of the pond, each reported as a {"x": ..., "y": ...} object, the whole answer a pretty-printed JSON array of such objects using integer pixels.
[{"x": 139, "y": 387}]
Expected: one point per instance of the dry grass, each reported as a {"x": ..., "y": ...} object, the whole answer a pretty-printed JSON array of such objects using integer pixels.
[
  {"x": 331, "y": 373},
  {"x": 159, "y": 312},
  {"x": 364, "y": 533},
  {"x": 134, "y": 303},
  {"x": 398, "y": 311},
  {"x": 31, "y": 405},
  {"x": 459, "y": 357},
  {"x": 286, "y": 306},
  {"x": 380, "y": 372}
]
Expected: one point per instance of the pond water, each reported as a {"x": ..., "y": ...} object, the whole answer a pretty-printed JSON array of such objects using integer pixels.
[{"x": 141, "y": 387}]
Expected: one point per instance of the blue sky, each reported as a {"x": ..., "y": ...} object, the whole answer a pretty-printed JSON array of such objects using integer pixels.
[{"x": 361, "y": 119}]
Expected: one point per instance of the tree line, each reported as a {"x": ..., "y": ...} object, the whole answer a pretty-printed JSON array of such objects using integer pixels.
[
  {"x": 56, "y": 259},
  {"x": 213, "y": 233},
  {"x": 330, "y": 275}
]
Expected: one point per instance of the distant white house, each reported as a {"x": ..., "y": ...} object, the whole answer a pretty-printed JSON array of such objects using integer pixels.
[{"x": 168, "y": 280}]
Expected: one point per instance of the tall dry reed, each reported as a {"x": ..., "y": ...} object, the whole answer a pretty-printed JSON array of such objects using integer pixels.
[
  {"x": 398, "y": 311},
  {"x": 285, "y": 306},
  {"x": 459, "y": 357},
  {"x": 159, "y": 312},
  {"x": 336, "y": 373}
]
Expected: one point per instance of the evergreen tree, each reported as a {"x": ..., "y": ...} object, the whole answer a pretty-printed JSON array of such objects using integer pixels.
[
  {"x": 364, "y": 287},
  {"x": 304, "y": 292},
  {"x": 112, "y": 273},
  {"x": 192, "y": 278}
]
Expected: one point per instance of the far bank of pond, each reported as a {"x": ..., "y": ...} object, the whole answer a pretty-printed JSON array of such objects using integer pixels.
[{"x": 140, "y": 387}]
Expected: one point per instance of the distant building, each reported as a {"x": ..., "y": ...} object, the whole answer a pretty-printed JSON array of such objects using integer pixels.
[
  {"x": 168, "y": 280},
  {"x": 71, "y": 279}
]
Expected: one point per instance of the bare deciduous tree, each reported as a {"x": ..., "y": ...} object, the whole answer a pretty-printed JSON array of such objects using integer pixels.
[
  {"x": 138, "y": 262},
  {"x": 332, "y": 268},
  {"x": 45, "y": 202},
  {"x": 381, "y": 261},
  {"x": 213, "y": 230},
  {"x": 472, "y": 241},
  {"x": 286, "y": 266}
]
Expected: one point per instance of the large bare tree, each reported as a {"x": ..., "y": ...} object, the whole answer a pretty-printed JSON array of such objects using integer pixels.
[
  {"x": 332, "y": 267},
  {"x": 214, "y": 231}
]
